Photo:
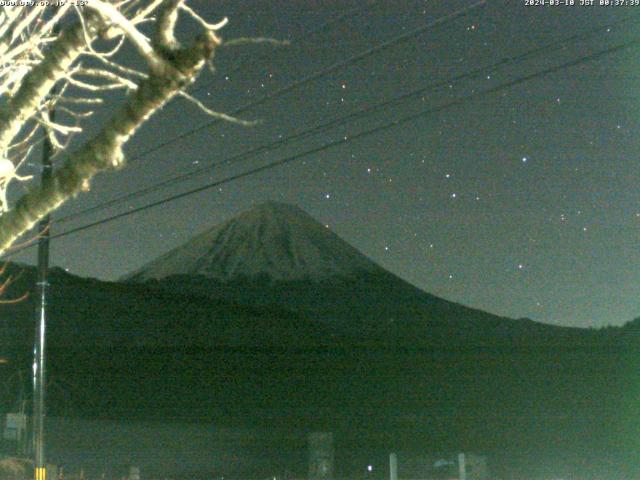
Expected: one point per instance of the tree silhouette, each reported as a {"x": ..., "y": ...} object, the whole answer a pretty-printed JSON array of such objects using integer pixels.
[{"x": 66, "y": 58}]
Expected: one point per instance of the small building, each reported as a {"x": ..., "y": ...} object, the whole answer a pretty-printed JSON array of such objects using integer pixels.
[
  {"x": 321, "y": 456},
  {"x": 461, "y": 466},
  {"x": 14, "y": 433}
]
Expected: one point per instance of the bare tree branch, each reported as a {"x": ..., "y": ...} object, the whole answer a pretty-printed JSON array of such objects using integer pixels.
[
  {"x": 38, "y": 82},
  {"x": 213, "y": 113},
  {"x": 104, "y": 151},
  {"x": 82, "y": 62}
]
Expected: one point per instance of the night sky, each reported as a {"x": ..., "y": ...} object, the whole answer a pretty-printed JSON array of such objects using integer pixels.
[{"x": 523, "y": 202}]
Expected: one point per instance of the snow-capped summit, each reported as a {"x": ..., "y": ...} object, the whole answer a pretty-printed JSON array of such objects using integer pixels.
[{"x": 273, "y": 240}]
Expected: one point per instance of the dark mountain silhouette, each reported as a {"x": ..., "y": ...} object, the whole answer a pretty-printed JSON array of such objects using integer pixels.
[
  {"x": 277, "y": 255},
  {"x": 271, "y": 319}
]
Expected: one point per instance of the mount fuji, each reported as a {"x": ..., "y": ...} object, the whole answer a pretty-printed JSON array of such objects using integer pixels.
[
  {"x": 271, "y": 317},
  {"x": 273, "y": 242},
  {"x": 278, "y": 255}
]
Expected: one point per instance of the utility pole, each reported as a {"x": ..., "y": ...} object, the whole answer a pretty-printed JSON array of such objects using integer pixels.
[
  {"x": 42, "y": 289},
  {"x": 39, "y": 351}
]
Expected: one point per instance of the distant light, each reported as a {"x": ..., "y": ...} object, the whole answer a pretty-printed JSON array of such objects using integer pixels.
[
  {"x": 524, "y": 159},
  {"x": 369, "y": 468}
]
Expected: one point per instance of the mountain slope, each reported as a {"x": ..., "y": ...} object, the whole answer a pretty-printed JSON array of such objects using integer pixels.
[
  {"x": 135, "y": 351},
  {"x": 276, "y": 254},
  {"x": 329, "y": 341}
]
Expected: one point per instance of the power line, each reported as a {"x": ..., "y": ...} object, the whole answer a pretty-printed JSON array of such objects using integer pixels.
[
  {"x": 510, "y": 60},
  {"x": 365, "y": 133},
  {"x": 443, "y": 20},
  {"x": 321, "y": 73}
]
